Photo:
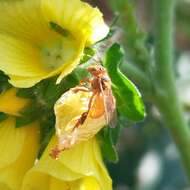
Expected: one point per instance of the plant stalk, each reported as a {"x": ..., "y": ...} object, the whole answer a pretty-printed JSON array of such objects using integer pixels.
[
  {"x": 169, "y": 105},
  {"x": 136, "y": 75}
]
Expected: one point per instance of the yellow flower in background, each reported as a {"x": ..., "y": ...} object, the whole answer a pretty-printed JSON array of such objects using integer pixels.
[
  {"x": 75, "y": 104},
  {"x": 42, "y": 38},
  {"x": 18, "y": 150},
  {"x": 18, "y": 146},
  {"x": 79, "y": 168},
  {"x": 10, "y": 103}
]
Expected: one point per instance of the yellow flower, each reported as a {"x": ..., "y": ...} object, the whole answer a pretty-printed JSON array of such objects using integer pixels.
[
  {"x": 42, "y": 38},
  {"x": 68, "y": 110},
  {"x": 18, "y": 149},
  {"x": 79, "y": 168},
  {"x": 18, "y": 146},
  {"x": 10, "y": 103}
]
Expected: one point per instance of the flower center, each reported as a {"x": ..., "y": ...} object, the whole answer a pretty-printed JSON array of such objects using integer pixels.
[{"x": 58, "y": 51}]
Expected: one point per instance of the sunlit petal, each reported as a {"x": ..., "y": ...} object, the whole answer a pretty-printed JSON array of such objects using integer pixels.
[
  {"x": 31, "y": 46},
  {"x": 18, "y": 149},
  {"x": 76, "y": 169},
  {"x": 78, "y": 17},
  {"x": 68, "y": 109},
  {"x": 10, "y": 103}
]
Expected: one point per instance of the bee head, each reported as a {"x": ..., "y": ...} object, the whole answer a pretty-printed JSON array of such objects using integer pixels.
[{"x": 97, "y": 71}]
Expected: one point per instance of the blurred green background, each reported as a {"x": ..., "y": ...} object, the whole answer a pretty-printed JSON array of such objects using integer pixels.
[{"x": 148, "y": 159}]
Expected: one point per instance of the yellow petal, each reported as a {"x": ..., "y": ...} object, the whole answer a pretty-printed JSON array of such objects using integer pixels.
[
  {"x": 10, "y": 103},
  {"x": 68, "y": 109},
  {"x": 24, "y": 21},
  {"x": 71, "y": 58},
  {"x": 30, "y": 50},
  {"x": 19, "y": 58},
  {"x": 23, "y": 82},
  {"x": 90, "y": 153},
  {"x": 89, "y": 183},
  {"x": 18, "y": 149},
  {"x": 82, "y": 20},
  {"x": 70, "y": 171}
]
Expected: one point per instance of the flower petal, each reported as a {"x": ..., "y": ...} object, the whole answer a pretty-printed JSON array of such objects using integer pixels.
[
  {"x": 25, "y": 74},
  {"x": 10, "y": 103},
  {"x": 19, "y": 58},
  {"x": 82, "y": 20},
  {"x": 90, "y": 153},
  {"x": 18, "y": 149},
  {"x": 24, "y": 21},
  {"x": 68, "y": 109},
  {"x": 89, "y": 183},
  {"x": 71, "y": 170},
  {"x": 23, "y": 82},
  {"x": 30, "y": 50},
  {"x": 10, "y": 136}
]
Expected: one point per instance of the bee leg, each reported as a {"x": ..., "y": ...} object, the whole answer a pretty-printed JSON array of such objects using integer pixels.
[
  {"x": 81, "y": 120},
  {"x": 55, "y": 152},
  {"x": 84, "y": 115},
  {"x": 80, "y": 88},
  {"x": 85, "y": 80}
]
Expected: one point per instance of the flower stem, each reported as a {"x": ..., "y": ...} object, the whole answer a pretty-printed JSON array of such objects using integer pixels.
[{"x": 169, "y": 104}]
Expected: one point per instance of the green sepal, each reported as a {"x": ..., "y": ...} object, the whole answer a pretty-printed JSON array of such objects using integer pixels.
[
  {"x": 129, "y": 101},
  {"x": 48, "y": 92},
  {"x": 25, "y": 93},
  {"x": 88, "y": 54},
  {"x": 107, "y": 143},
  {"x": 47, "y": 130},
  {"x": 3, "y": 116},
  {"x": 23, "y": 121},
  {"x": 28, "y": 115},
  {"x": 4, "y": 82}
]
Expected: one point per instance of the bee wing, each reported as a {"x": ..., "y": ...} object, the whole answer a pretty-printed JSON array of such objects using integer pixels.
[
  {"x": 96, "y": 106},
  {"x": 109, "y": 106}
]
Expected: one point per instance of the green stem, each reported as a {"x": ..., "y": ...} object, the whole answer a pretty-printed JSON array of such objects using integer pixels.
[
  {"x": 136, "y": 75},
  {"x": 169, "y": 106}
]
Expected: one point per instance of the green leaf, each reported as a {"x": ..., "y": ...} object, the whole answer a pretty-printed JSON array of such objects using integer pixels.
[
  {"x": 81, "y": 73},
  {"x": 115, "y": 132},
  {"x": 47, "y": 130},
  {"x": 29, "y": 114},
  {"x": 107, "y": 145},
  {"x": 88, "y": 54},
  {"x": 3, "y": 116},
  {"x": 4, "y": 82},
  {"x": 25, "y": 93},
  {"x": 49, "y": 92},
  {"x": 129, "y": 101},
  {"x": 23, "y": 121}
]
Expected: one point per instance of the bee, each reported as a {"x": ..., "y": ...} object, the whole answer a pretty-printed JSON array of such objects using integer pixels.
[{"x": 102, "y": 101}]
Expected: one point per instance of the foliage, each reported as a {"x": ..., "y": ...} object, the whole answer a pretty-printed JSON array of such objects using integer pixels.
[
  {"x": 129, "y": 102},
  {"x": 4, "y": 82}
]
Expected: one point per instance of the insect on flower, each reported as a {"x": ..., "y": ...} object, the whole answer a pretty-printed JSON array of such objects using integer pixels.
[{"x": 101, "y": 103}]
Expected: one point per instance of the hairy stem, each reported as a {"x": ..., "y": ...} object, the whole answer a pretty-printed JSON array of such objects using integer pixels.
[{"x": 169, "y": 104}]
